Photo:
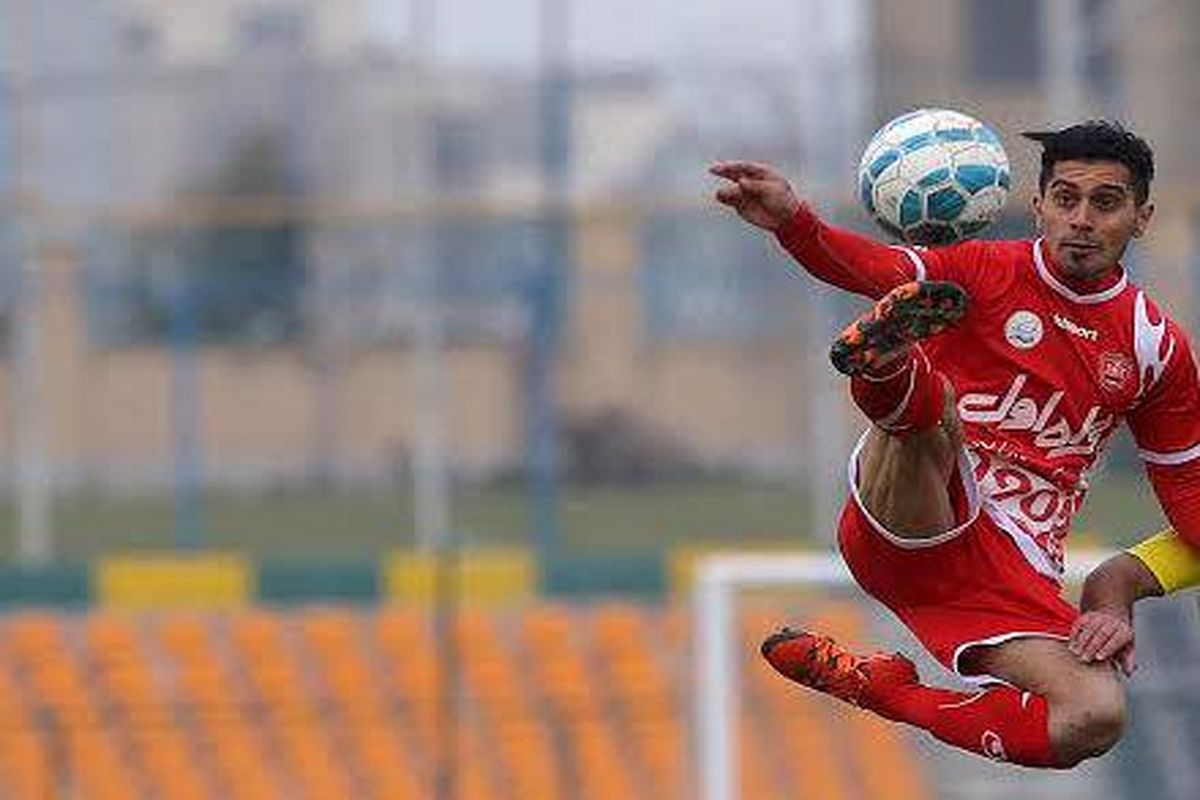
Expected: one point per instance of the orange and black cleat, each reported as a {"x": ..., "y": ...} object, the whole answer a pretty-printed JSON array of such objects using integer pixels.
[
  {"x": 907, "y": 314},
  {"x": 820, "y": 663}
]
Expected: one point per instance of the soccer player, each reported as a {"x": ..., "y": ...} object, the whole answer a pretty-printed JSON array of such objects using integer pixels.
[
  {"x": 1159, "y": 565},
  {"x": 993, "y": 374}
]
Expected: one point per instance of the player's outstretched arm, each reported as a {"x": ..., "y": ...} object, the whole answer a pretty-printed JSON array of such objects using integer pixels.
[{"x": 763, "y": 197}]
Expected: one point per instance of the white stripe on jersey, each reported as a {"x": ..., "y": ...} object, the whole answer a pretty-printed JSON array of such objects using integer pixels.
[
  {"x": 916, "y": 259},
  {"x": 1148, "y": 339},
  {"x": 1170, "y": 459},
  {"x": 1028, "y": 546}
]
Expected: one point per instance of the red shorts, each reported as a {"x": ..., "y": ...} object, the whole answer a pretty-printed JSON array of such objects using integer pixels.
[{"x": 972, "y": 587}]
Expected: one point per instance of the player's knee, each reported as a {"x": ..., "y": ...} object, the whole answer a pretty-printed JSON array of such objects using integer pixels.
[
  {"x": 1093, "y": 734},
  {"x": 1090, "y": 722}
]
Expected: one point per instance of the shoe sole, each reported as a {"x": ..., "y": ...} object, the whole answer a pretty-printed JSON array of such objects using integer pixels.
[{"x": 905, "y": 315}]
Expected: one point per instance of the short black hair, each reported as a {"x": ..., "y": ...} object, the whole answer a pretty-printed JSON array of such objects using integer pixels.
[{"x": 1097, "y": 140}]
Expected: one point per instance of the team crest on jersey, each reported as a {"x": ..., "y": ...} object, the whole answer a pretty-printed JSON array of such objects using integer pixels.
[
  {"x": 1023, "y": 329},
  {"x": 1116, "y": 371}
]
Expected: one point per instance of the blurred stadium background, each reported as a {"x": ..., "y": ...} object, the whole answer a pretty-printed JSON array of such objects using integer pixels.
[{"x": 374, "y": 374}]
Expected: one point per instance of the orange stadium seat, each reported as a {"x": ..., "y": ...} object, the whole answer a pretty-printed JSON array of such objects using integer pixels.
[
  {"x": 24, "y": 762},
  {"x": 42, "y": 650},
  {"x": 26, "y": 767},
  {"x": 409, "y": 663},
  {"x": 571, "y": 685},
  {"x": 157, "y": 747},
  {"x": 497, "y": 684},
  {"x": 224, "y": 730},
  {"x": 803, "y": 727},
  {"x": 341, "y": 658},
  {"x": 644, "y": 694}
]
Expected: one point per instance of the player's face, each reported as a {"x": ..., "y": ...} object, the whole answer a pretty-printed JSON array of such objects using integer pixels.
[{"x": 1088, "y": 214}]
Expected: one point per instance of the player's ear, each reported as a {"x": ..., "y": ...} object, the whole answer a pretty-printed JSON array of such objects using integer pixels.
[
  {"x": 1142, "y": 221},
  {"x": 1035, "y": 205}
]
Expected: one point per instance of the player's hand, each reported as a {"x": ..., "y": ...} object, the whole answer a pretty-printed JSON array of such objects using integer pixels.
[
  {"x": 759, "y": 194},
  {"x": 1103, "y": 636}
]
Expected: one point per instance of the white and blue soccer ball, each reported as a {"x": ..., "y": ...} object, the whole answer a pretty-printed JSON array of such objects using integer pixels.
[{"x": 934, "y": 176}]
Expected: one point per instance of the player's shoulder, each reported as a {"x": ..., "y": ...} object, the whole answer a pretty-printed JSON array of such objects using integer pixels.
[
  {"x": 1158, "y": 341},
  {"x": 1007, "y": 250},
  {"x": 987, "y": 268},
  {"x": 977, "y": 254},
  {"x": 1015, "y": 249},
  {"x": 1143, "y": 303},
  {"x": 1147, "y": 317}
]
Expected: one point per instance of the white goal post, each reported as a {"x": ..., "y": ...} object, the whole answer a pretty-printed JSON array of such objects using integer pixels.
[{"x": 718, "y": 579}]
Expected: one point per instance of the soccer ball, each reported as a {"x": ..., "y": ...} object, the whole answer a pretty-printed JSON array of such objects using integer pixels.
[{"x": 934, "y": 176}]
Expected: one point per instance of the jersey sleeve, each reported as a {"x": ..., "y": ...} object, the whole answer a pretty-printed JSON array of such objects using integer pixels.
[
  {"x": 843, "y": 258},
  {"x": 1166, "y": 421},
  {"x": 853, "y": 262},
  {"x": 973, "y": 265}
]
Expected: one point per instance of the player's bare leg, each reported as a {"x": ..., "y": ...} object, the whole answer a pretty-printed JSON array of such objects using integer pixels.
[
  {"x": 1086, "y": 702},
  {"x": 1064, "y": 711},
  {"x": 903, "y": 480},
  {"x": 906, "y": 464}
]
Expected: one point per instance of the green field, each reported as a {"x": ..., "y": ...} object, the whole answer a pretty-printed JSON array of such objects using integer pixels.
[{"x": 311, "y": 524}]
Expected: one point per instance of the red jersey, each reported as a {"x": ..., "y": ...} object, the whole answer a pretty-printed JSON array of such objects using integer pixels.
[{"x": 1044, "y": 375}]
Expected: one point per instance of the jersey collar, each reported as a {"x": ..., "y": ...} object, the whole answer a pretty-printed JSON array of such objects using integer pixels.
[{"x": 1044, "y": 272}]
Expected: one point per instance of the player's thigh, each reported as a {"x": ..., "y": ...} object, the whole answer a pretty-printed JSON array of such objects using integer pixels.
[
  {"x": 1086, "y": 710},
  {"x": 1045, "y": 666},
  {"x": 905, "y": 482}
]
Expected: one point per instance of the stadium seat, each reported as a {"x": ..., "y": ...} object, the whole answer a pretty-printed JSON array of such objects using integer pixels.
[
  {"x": 24, "y": 764},
  {"x": 289, "y": 705},
  {"x": 42, "y": 651},
  {"x": 359, "y": 705},
  {"x": 138, "y": 711},
  {"x": 224, "y": 729},
  {"x": 757, "y": 778},
  {"x": 815, "y": 740},
  {"x": 570, "y": 682},
  {"x": 644, "y": 693}
]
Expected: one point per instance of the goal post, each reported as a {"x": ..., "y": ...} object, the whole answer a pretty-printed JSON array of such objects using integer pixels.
[{"x": 716, "y": 705}]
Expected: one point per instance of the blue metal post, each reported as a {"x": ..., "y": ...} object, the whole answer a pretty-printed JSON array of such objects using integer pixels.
[
  {"x": 547, "y": 290},
  {"x": 187, "y": 490}
]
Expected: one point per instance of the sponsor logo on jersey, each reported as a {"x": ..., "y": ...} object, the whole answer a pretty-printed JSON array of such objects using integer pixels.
[
  {"x": 1074, "y": 328},
  {"x": 1116, "y": 371},
  {"x": 1014, "y": 412},
  {"x": 1023, "y": 329}
]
